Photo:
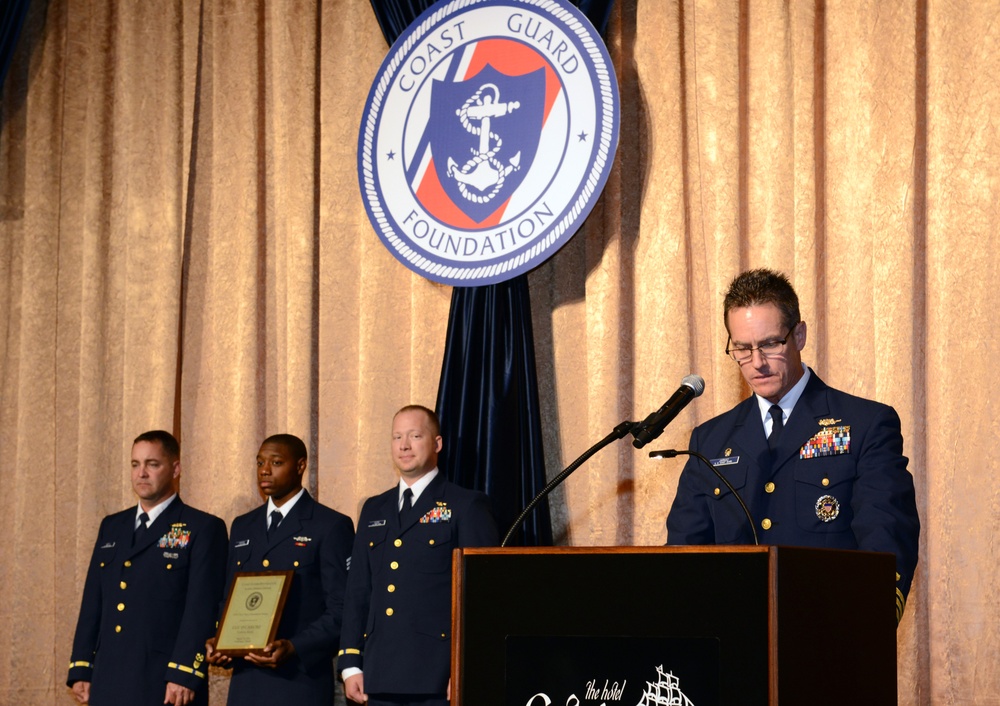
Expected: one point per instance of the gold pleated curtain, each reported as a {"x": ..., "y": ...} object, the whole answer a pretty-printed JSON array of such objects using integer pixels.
[{"x": 183, "y": 246}]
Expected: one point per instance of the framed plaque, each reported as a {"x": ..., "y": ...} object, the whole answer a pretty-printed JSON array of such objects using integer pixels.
[{"x": 253, "y": 611}]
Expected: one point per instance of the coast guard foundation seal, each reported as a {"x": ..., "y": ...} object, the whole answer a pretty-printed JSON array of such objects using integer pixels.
[{"x": 487, "y": 138}]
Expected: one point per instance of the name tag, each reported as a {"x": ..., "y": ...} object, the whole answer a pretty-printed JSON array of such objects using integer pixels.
[
  {"x": 242, "y": 543},
  {"x": 108, "y": 545},
  {"x": 376, "y": 523},
  {"x": 725, "y": 461}
]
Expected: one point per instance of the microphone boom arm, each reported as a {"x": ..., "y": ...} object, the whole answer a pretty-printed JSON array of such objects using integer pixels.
[
  {"x": 673, "y": 453},
  {"x": 620, "y": 432}
]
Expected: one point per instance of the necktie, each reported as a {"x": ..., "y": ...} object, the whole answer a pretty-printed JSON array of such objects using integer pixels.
[
  {"x": 407, "y": 505},
  {"x": 276, "y": 518},
  {"x": 141, "y": 529},
  {"x": 777, "y": 424}
]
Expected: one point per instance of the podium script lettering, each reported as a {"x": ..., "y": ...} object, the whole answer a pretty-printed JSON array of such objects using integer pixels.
[{"x": 593, "y": 691}]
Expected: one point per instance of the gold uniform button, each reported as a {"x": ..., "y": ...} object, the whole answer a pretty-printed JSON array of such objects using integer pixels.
[
  {"x": 295, "y": 563},
  {"x": 371, "y": 544},
  {"x": 394, "y": 565},
  {"x": 121, "y": 607},
  {"x": 102, "y": 564},
  {"x": 769, "y": 487},
  {"x": 123, "y": 585},
  {"x": 765, "y": 523},
  {"x": 398, "y": 542},
  {"x": 128, "y": 564},
  {"x": 717, "y": 492},
  {"x": 388, "y": 611},
  {"x": 825, "y": 482},
  {"x": 118, "y": 628},
  {"x": 169, "y": 566},
  {"x": 239, "y": 563},
  {"x": 431, "y": 542},
  {"x": 391, "y": 588},
  {"x": 266, "y": 562}
]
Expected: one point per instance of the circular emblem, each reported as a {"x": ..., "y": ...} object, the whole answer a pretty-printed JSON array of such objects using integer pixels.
[
  {"x": 254, "y": 600},
  {"x": 827, "y": 508},
  {"x": 487, "y": 137}
]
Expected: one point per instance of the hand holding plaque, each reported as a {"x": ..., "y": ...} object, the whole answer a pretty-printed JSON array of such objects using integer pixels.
[{"x": 253, "y": 611}]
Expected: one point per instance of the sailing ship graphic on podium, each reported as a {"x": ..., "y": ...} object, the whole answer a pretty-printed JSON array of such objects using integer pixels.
[{"x": 665, "y": 692}]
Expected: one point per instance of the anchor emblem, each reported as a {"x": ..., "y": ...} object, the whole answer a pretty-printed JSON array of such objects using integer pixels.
[
  {"x": 475, "y": 170},
  {"x": 484, "y": 171}
]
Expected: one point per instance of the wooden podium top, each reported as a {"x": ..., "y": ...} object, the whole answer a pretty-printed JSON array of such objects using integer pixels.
[{"x": 765, "y": 621}]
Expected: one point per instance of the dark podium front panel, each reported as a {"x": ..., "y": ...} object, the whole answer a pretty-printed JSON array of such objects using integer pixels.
[{"x": 632, "y": 626}]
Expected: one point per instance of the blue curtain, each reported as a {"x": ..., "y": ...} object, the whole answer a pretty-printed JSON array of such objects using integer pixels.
[
  {"x": 14, "y": 12},
  {"x": 488, "y": 394},
  {"x": 488, "y": 404}
]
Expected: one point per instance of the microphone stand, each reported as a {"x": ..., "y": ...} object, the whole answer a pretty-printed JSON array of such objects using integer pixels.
[
  {"x": 673, "y": 453},
  {"x": 620, "y": 431}
]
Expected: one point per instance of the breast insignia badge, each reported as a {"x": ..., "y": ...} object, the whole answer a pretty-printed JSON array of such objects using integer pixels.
[{"x": 827, "y": 508}]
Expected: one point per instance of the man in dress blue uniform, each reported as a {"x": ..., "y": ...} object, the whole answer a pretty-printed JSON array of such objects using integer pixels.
[
  {"x": 396, "y": 646},
  {"x": 291, "y": 531},
  {"x": 817, "y": 467},
  {"x": 151, "y": 593}
]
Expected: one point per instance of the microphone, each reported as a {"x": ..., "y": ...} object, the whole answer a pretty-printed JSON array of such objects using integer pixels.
[{"x": 653, "y": 425}]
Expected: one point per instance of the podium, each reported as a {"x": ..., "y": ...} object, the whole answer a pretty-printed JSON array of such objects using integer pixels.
[{"x": 631, "y": 626}]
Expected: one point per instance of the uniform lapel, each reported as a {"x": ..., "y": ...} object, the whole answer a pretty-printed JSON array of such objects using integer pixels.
[
  {"x": 802, "y": 424},
  {"x": 256, "y": 534},
  {"x": 426, "y": 502},
  {"x": 748, "y": 435},
  {"x": 123, "y": 534},
  {"x": 751, "y": 444},
  {"x": 159, "y": 527},
  {"x": 390, "y": 509},
  {"x": 293, "y": 523}
]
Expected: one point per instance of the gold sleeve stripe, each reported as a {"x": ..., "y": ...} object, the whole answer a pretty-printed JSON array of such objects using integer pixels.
[
  {"x": 900, "y": 605},
  {"x": 73, "y": 665},
  {"x": 189, "y": 670},
  {"x": 348, "y": 651}
]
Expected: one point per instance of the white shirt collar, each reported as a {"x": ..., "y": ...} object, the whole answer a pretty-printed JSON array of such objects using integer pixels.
[
  {"x": 284, "y": 509},
  {"x": 418, "y": 486},
  {"x": 787, "y": 403},
  {"x": 154, "y": 512}
]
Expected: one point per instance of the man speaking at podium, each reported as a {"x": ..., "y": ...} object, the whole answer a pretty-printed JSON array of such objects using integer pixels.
[{"x": 817, "y": 467}]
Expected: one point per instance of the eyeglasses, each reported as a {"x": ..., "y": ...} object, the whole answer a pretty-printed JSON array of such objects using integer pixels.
[{"x": 742, "y": 354}]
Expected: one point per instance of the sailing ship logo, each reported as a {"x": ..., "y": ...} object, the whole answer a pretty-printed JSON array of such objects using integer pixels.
[
  {"x": 665, "y": 692},
  {"x": 487, "y": 137}
]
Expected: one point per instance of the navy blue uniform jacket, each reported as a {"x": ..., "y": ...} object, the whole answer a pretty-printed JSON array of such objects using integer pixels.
[
  {"x": 315, "y": 542},
  {"x": 397, "y": 619},
  {"x": 838, "y": 480},
  {"x": 147, "y": 610}
]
